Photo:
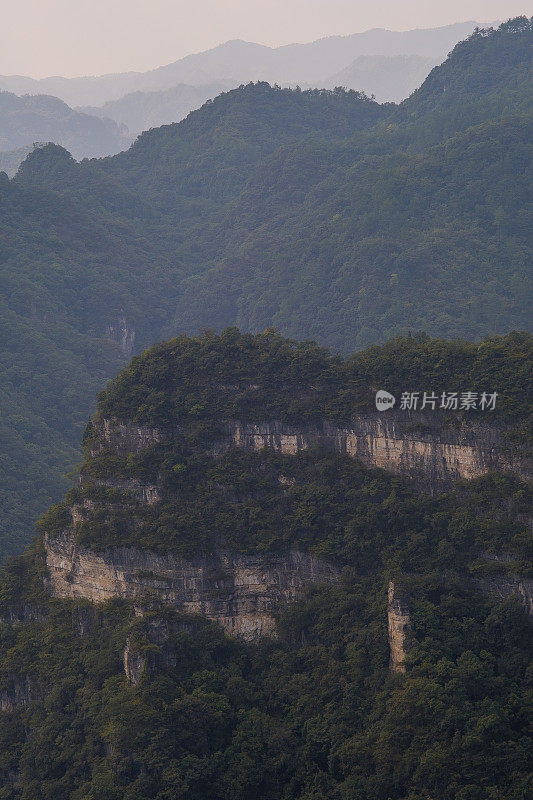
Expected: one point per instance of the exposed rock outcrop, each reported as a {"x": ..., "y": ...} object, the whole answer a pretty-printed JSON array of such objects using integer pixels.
[
  {"x": 157, "y": 649},
  {"x": 22, "y": 613},
  {"x": 122, "y": 333},
  {"x": 134, "y": 663},
  {"x": 399, "y": 623},
  {"x": 19, "y": 693},
  {"x": 428, "y": 448},
  {"x": 505, "y": 586},
  {"x": 125, "y": 437},
  {"x": 240, "y": 592}
]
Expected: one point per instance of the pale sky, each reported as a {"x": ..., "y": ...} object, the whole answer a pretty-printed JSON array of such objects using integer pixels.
[{"x": 90, "y": 37}]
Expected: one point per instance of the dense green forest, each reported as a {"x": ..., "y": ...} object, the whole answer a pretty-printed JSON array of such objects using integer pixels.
[
  {"x": 323, "y": 214},
  {"x": 194, "y": 385},
  {"x": 189, "y": 387},
  {"x": 266, "y": 376},
  {"x": 315, "y": 713}
]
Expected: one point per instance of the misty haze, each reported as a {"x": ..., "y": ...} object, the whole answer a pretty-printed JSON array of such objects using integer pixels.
[{"x": 265, "y": 393}]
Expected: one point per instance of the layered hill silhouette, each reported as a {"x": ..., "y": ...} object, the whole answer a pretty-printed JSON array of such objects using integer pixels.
[
  {"x": 388, "y": 78},
  {"x": 40, "y": 118},
  {"x": 323, "y": 214},
  {"x": 140, "y": 111},
  {"x": 133, "y": 102},
  {"x": 238, "y": 61}
]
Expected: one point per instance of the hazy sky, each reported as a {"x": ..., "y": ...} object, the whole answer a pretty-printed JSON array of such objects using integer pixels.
[{"x": 90, "y": 37}]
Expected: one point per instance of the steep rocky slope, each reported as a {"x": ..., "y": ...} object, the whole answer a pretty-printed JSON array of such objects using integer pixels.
[
  {"x": 218, "y": 496},
  {"x": 138, "y": 480}
]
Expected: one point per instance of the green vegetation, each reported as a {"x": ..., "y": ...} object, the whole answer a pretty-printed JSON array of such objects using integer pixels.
[
  {"x": 494, "y": 72},
  {"x": 315, "y": 714},
  {"x": 329, "y": 504},
  {"x": 321, "y": 213},
  {"x": 325, "y": 503},
  {"x": 267, "y": 377},
  {"x": 319, "y": 719}
]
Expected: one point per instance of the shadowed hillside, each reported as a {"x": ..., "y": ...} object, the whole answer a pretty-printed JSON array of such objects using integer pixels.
[{"x": 321, "y": 213}]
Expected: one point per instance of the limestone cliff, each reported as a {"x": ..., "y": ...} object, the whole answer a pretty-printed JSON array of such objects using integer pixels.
[
  {"x": 435, "y": 454},
  {"x": 505, "y": 586},
  {"x": 134, "y": 663},
  {"x": 19, "y": 692},
  {"x": 399, "y": 623},
  {"x": 121, "y": 332},
  {"x": 240, "y": 592}
]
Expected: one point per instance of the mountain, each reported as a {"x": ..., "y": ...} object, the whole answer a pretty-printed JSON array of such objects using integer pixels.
[
  {"x": 388, "y": 78},
  {"x": 29, "y": 119},
  {"x": 11, "y": 160},
  {"x": 230, "y": 605},
  {"x": 140, "y": 111},
  {"x": 81, "y": 288},
  {"x": 237, "y": 62},
  {"x": 322, "y": 213}
]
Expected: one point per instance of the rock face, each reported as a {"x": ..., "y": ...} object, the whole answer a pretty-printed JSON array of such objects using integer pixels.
[
  {"x": 240, "y": 592},
  {"x": 126, "y": 437},
  {"x": 134, "y": 663},
  {"x": 19, "y": 693},
  {"x": 157, "y": 649},
  {"x": 429, "y": 452},
  {"x": 399, "y": 623},
  {"x": 22, "y": 613},
  {"x": 424, "y": 448},
  {"x": 123, "y": 334},
  {"x": 507, "y": 586}
]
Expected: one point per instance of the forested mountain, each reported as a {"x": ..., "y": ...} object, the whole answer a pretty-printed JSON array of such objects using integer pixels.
[
  {"x": 322, "y": 213},
  {"x": 495, "y": 74},
  {"x": 388, "y": 78},
  {"x": 140, "y": 111},
  {"x": 399, "y": 668},
  {"x": 39, "y": 118},
  {"x": 238, "y": 61}
]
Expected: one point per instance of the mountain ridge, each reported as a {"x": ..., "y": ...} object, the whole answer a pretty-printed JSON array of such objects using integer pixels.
[
  {"x": 263, "y": 208},
  {"x": 43, "y": 118},
  {"x": 130, "y": 81}
]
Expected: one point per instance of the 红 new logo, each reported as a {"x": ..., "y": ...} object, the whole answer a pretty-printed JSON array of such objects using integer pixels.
[{"x": 384, "y": 400}]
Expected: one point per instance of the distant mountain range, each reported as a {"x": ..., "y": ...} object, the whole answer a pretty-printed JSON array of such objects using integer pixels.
[
  {"x": 41, "y": 118},
  {"x": 100, "y": 116},
  {"x": 140, "y": 111},
  {"x": 240, "y": 62},
  {"x": 388, "y": 78}
]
